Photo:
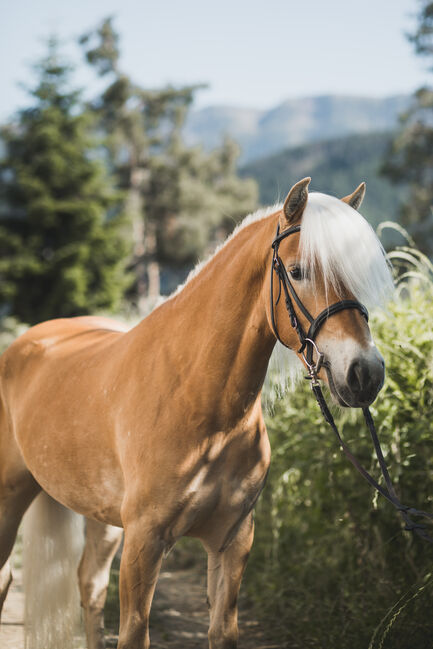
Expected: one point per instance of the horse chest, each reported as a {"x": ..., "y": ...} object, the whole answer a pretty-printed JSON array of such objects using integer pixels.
[{"x": 223, "y": 488}]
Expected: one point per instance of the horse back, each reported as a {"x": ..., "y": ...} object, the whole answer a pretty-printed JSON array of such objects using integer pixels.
[{"x": 53, "y": 340}]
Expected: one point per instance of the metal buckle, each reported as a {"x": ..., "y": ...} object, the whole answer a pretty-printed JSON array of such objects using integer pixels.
[{"x": 313, "y": 368}]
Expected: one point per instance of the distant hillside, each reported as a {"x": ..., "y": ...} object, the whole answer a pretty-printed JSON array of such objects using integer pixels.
[
  {"x": 336, "y": 167},
  {"x": 294, "y": 122}
]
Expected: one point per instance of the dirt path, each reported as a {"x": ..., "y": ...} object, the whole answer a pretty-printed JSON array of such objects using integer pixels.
[
  {"x": 11, "y": 628},
  {"x": 179, "y": 616}
]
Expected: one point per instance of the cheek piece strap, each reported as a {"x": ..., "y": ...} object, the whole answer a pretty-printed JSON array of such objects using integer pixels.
[{"x": 308, "y": 348}]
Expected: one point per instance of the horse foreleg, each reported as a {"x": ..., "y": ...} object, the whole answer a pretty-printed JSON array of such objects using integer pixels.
[
  {"x": 139, "y": 570},
  {"x": 102, "y": 542},
  {"x": 225, "y": 570}
]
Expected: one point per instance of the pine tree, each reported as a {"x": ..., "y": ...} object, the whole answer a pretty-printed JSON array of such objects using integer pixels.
[
  {"x": 180, "y": 197},
  {"x": 63, "y": 246},
  {"x": 208, "y": 196},
  {"x": 410, "y": 158}
]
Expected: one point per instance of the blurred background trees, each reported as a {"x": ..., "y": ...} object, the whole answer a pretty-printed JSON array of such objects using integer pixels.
[
  {"x": 410, "y": 157},
  {"x": 96, "y": 198},
  {"x": 181, "y": 199}
]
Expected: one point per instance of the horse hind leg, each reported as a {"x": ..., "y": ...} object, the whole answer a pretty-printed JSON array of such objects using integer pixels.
[
  {"x": 13, "y": 504},
  {"x": 17, "y": 490},
  {"x": 102, "y": 543}
]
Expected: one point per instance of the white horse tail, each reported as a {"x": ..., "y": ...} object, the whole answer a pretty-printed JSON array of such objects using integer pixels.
[{"x": 53, "y": 539}]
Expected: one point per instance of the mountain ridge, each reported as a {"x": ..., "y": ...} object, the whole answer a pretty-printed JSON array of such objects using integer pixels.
[{"x": 293, "y": 122}]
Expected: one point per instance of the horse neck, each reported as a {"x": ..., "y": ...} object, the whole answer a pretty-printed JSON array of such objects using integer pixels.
[{"x": 221, "y": 323}]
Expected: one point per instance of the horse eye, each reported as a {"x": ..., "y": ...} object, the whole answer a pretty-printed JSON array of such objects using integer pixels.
[{"x": 296, "y": 273}]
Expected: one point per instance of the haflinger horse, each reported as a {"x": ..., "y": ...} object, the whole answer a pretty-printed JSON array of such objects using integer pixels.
[{"x": 159, "y": 430}]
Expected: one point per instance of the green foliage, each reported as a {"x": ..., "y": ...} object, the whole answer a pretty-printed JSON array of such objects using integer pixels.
[
  {"x": 423, "y": 37},
  {"x": 62, "y": 237},
  {"x": 105, "y": 53},
  {"x": 111, "y": 609},
  {"x": 209, "y": 200},
  {"x": 409, "y": 158},
  {"x": 330, "y": 558},
  {"x": 10, "y": 328}
]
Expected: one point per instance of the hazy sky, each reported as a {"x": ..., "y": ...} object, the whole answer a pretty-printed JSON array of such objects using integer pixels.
[{"x": 252, "y": 53}]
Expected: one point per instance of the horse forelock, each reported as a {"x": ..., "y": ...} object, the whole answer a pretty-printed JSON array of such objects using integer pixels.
[{"x": 338, "y": 245}]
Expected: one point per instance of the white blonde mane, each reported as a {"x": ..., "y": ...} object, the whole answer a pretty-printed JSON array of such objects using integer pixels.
[{"x": 338, "y": 244}]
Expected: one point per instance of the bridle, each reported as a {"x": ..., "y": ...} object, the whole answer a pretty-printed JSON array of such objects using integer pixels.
[
  {"x": 307, "y": 348},
  {"x": 307, "y": 340}
]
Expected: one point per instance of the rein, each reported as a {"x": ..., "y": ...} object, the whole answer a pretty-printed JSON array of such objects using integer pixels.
[{"x": 307, "y": 349}]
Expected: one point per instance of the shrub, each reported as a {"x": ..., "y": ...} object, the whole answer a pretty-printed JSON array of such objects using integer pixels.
[{"x": 10, "y": 328}]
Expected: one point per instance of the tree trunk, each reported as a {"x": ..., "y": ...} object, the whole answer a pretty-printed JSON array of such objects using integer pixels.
[
  {"x": 153, "y": 275},
  {"x": 135, "y": 209}
]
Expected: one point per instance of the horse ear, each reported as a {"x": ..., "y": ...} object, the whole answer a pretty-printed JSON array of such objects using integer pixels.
[
  {"x": 295, "y": 203},
  {"x": 355, "y": 199}
]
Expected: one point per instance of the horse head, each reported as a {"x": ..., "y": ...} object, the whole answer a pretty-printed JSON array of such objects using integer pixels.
[{"x": 327, "y": 264}]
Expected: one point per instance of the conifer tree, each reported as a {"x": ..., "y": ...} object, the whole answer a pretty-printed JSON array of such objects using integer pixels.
[
  {"x": 63, "y": 245},
  {"x": 180, "y": 197},
  {"x": 410, "y": 158}
]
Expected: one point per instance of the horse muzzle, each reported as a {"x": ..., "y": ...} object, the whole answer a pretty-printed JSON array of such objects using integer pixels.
[{"x": 357, "y": 382}]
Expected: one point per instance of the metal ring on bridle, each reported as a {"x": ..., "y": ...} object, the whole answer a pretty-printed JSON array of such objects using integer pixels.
[{"x": 313, "y": 368}]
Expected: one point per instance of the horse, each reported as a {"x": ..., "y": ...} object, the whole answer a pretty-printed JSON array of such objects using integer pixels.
[{"x": 159, "y": 430}]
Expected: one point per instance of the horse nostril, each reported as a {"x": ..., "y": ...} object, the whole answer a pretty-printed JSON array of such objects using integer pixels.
[{"x": 357, "y": 376}]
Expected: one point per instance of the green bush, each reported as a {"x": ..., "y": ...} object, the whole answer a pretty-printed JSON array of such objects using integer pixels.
[
  {"x": 10, "y": 328},
  {"x": 331, "y": 559}
]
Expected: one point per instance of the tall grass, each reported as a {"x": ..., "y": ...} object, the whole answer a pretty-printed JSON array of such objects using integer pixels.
[{"x": 331, "y": 565}]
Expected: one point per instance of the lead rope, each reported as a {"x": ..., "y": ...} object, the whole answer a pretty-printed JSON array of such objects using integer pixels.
[{"x": 389, "y": 492}]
